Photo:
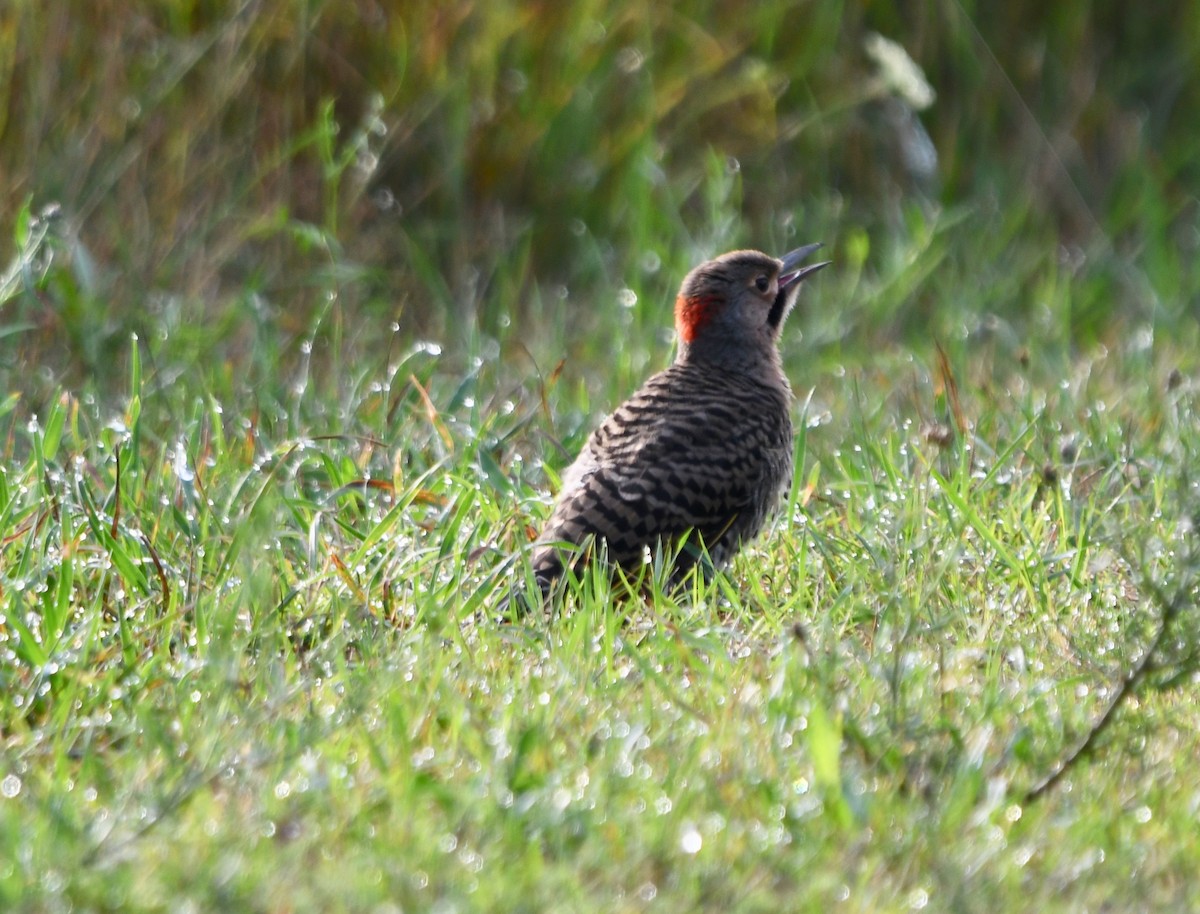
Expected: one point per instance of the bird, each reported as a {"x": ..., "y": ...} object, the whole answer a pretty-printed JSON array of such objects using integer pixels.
[{"x": 697, "y": 461}]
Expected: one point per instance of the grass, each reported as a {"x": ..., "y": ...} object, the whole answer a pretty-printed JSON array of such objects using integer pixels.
[
  {"x": 252, "y": 669},
  {"x": 273, "y": 446}
]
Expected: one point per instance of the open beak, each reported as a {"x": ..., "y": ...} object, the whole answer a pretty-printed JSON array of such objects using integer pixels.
[{"x": 790, "y": 272}]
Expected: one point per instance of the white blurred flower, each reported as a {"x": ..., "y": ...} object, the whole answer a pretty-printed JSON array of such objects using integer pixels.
[{"x": 900, "y": 72}]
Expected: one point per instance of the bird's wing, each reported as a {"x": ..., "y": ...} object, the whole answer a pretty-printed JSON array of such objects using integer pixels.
[{"x": 680, "y": 454}]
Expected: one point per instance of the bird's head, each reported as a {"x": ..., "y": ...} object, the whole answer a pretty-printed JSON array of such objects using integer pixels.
[
  {"x": 739, "y": 300},
  {"x": 735, "y": 305}
]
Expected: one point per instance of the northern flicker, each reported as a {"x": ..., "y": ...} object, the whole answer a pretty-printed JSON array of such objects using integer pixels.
[{"x": 700, "y": 457}]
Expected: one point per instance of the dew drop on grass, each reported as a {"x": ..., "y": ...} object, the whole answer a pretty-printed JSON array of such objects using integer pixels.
[
  {"x": 366, "y": 162},
  {"x": 690, "y": 840},
  {"x": 627, "y": 298},
  {"x": 180, "y": 464},
  {"x": 10, "y": 786},
  {"x": 515, "y": 81},
  {"x": 630, "y": 59},
  {"x": 423, "y": 757},
  {"x": 561, "y": 799}
]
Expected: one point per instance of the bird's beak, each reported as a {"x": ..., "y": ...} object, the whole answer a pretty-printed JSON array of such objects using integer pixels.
[{"x": 790, "y": 271}]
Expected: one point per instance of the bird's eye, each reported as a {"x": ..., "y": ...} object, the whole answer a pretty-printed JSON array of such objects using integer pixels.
[{"x": 762, "y": 283}]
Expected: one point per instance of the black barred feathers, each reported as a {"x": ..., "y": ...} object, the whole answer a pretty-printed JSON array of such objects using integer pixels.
[{"x": 695, "y": 451}]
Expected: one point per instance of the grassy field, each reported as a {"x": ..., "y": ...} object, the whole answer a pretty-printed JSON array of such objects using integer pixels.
[{"x": 302, "y": 311}]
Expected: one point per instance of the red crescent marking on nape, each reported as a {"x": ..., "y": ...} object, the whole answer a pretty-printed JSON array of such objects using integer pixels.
[{"x": 691, "y": 314}]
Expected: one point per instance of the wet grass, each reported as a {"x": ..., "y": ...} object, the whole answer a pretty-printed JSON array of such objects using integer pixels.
[
  {"x": 250, "y": 660},
  {"x": 273, "y": 446}
]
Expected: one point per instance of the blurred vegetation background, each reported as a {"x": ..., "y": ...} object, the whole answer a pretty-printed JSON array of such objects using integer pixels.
[{"x": 237, "y": 183}]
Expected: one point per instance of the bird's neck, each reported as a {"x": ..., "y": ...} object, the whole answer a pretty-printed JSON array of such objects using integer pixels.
[{"x": 758, "y": 360}]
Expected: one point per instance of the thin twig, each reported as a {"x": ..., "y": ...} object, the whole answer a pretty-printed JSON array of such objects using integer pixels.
[{"x": 1171, "y": 609}]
